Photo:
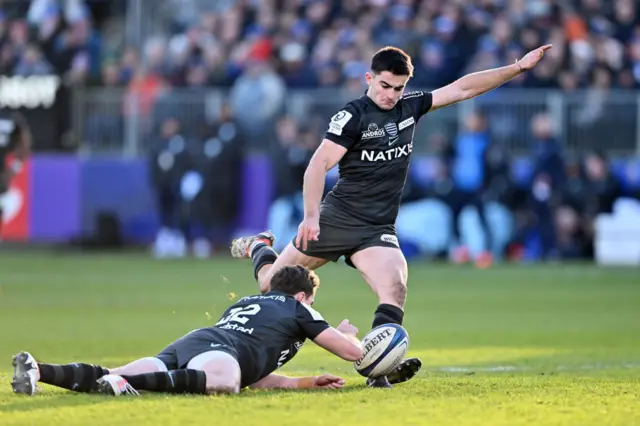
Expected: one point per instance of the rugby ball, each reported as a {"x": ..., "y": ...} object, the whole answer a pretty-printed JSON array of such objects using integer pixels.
[{"x": 384, "y": 349}]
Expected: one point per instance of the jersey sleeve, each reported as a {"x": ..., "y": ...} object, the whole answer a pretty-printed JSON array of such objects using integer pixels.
[
  {"x": 343, "y": 127},
  {"x": 419, "y": 101},
  {"x": 310, "y": 321}
]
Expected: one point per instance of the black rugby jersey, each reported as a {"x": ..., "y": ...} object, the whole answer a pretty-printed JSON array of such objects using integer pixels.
[
  {"x": 374, "y": 169},
  {"x": 267, "y": 331}
]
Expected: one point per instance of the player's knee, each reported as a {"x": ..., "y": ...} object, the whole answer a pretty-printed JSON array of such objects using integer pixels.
[
  {"x": 221, "y": 382},
  {"x": 157, "y": 363},
  {"x": 264, "y": 282}
]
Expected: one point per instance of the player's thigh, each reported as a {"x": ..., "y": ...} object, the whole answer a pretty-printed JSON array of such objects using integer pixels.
[
  {"x": 385, "y": 270},
  {"x": 291, "y": 256},
  {"x": 221, "y": 368}
]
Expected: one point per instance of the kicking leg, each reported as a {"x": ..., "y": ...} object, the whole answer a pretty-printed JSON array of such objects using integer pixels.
[
  {"x": 266, "y": 261},
  {"x": 385, "y": 270},
  {"x": 77, "y": 377}
]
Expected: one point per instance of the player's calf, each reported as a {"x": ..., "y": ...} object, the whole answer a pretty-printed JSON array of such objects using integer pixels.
[
  {"x": 78, "y": 377},
  {"x": 184, "y": 381}
]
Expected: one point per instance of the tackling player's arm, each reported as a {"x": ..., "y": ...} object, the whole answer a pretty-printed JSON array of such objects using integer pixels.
[
  {"x": 478, "y": 83},
  {"x": 341, "y": 341},
  {"x": 276, "y": 381}
]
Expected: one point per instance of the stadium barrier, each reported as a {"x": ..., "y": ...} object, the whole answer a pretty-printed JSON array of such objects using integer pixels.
[{"x": 57, "y": 197}]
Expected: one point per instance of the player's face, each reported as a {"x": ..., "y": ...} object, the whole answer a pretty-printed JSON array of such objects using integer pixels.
[{"x": 386, "y": 88}]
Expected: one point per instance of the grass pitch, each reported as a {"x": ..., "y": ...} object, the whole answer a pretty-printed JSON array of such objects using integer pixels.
[{"x": 511, "y": 345}]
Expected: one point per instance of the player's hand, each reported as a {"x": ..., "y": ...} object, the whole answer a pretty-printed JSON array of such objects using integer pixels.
[
  {"x": 327, "y": 381},
  {"x": 309, "y": 230},
  {"x": 532, "y": 58},
  {"x": 345, "y": 327}
]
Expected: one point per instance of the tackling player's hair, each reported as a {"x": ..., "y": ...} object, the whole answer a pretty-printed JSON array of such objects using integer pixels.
[
  {"x": 392, "y": 59},
  {"x": 294, "y": 279}
]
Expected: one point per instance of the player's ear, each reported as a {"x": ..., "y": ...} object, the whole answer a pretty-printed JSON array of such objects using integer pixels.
[
  {"x": 300, "y": 296},
  {"x": 368, "y": 76}
]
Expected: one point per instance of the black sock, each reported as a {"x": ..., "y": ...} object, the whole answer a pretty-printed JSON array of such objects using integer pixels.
[
  {"x": 174, "y": 381},
  {"x": 387, "y": 314},
  {"x": 262, "y": 255},
  {"x": 75, "y": 377}
]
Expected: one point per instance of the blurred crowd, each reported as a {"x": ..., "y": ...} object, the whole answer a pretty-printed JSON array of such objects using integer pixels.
[
  {"x": 258, "y": 51},
  {"x": 549, "y": 209},
  {"x": 324, "y": 43}
]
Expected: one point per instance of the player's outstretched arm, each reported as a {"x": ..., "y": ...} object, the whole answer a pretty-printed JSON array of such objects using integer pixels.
[
  {"x": 478, "y": 83},
  {"x": 341, "y": 341},
  {"x": 276, "y": 381}
]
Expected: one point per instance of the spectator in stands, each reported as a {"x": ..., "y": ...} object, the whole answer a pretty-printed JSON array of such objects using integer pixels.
[
  {"x": 469, "y": 172},
  {"x": 289, "y": 158},
  {"x": 219, "y": 159},
  {"x": 548, "y": 181},
  {"x": 33, "y": 63},
  {"x": 169, "y": 161},
  {"x": 257, "y": 97},
  {"x": 602, "y": 191}
]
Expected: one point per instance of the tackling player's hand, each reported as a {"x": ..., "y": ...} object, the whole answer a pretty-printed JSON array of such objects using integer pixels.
[
  {"x": 309, "y": 230},
  {"x": 328, "y": 381},
  {"x": 345, "y": 327},
  {"x": 532, "y": 58}
]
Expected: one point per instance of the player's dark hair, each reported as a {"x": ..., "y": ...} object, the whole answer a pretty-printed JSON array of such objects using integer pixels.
[
  {"x": 294, "y": 279},
  {"x": 392, "y": 59}
]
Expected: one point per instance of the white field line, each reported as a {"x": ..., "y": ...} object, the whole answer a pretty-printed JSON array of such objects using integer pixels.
[{"x": 515, "y": 369}]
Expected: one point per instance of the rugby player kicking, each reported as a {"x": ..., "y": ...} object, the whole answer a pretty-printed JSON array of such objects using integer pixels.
[{"x": 371, "y": 139}]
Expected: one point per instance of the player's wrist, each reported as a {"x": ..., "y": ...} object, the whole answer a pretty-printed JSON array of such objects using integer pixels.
[
  {"x": 518, "y": 67},
  {"x": 306, "y": 382},
  {"x": 312, "y": 214}
]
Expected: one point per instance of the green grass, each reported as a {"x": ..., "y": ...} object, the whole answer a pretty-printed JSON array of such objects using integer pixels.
[{"x": 510, "y": 345}]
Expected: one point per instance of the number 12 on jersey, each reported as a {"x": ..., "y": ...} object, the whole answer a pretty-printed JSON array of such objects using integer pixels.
[{"x": 240, "y": 314}]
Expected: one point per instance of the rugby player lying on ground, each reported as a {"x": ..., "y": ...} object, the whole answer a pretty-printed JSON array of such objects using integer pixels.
[{"x": 254, "y": 337}]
